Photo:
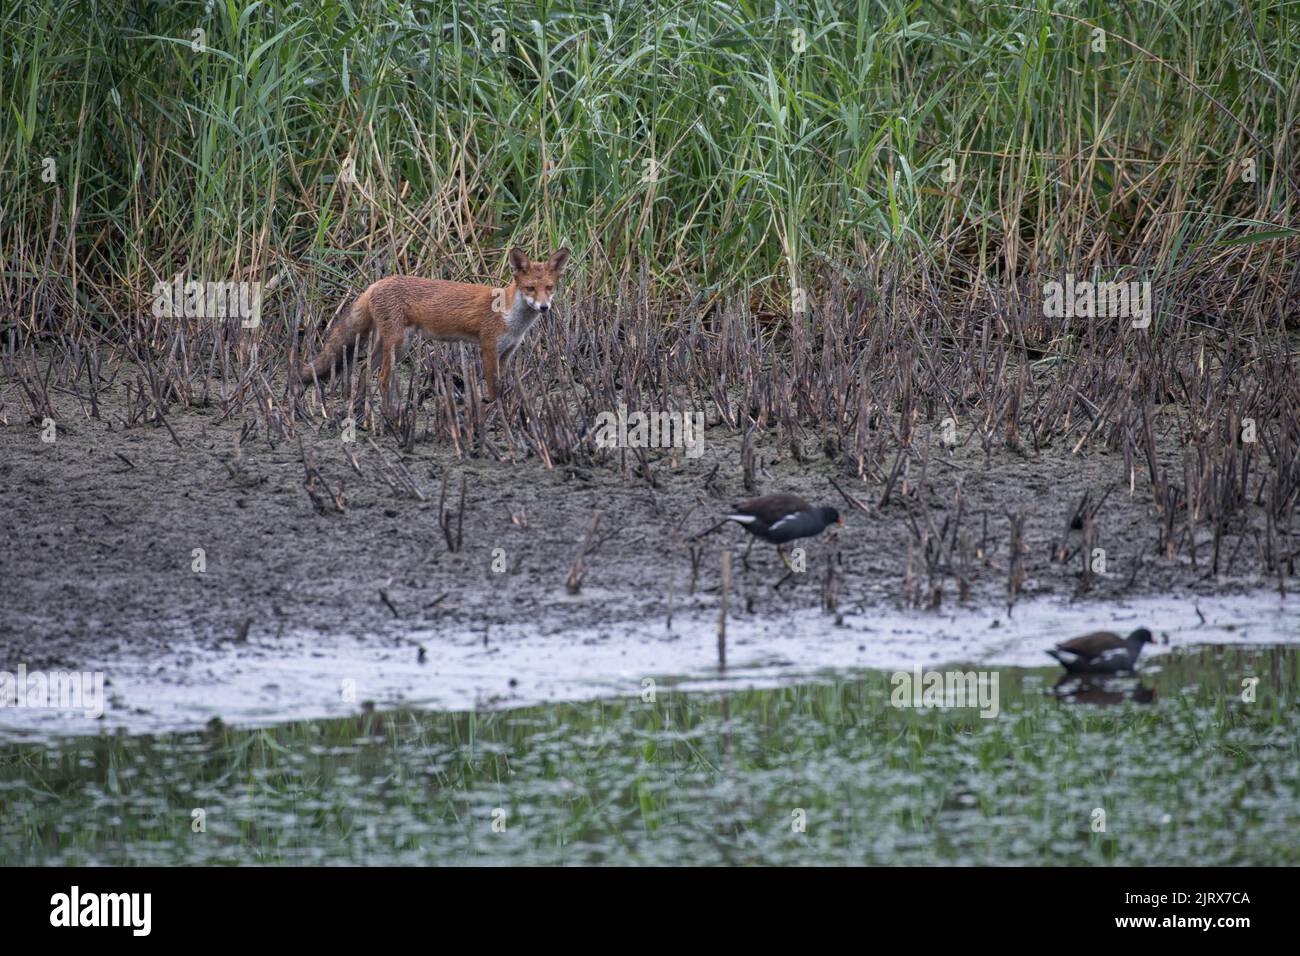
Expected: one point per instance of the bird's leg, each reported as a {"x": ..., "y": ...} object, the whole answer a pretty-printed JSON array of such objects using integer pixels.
[
  {"x": 744, "y": 558},
  {"x": 789, "y": 569}
]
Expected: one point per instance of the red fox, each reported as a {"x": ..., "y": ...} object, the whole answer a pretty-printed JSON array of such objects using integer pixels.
[{"x": 497, "y": 319}]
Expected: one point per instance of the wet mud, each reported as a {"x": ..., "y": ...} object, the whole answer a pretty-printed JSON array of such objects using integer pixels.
[{"x": 176, "y": 542}]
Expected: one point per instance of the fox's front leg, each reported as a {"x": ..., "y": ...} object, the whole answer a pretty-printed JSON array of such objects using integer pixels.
[
  {"x": 488, "y": 346},
  {"x": 389, "y": 345}
]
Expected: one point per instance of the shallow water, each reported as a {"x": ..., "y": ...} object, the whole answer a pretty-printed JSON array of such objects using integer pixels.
[
  {"x": 307, "y": 675},
  {"x": 822, "y": 771}
]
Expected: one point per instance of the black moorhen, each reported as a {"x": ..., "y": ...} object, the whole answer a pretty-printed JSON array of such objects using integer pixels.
[
  {"x": 1102, "y": 652},
  {"x": 781, "y": 518}
]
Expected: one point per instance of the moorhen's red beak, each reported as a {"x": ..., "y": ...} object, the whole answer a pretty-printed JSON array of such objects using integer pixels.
[{"x": 840, "y": 522}]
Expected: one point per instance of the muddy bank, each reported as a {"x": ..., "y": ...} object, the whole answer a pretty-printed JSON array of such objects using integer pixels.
[{"x": 105, "y": 528}]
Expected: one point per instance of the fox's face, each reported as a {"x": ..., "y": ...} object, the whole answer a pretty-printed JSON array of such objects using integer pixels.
[{"x": 536, "y": 281}]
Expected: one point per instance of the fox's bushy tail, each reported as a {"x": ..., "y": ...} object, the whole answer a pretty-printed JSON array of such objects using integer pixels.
[{"x": 341, "y": 339}]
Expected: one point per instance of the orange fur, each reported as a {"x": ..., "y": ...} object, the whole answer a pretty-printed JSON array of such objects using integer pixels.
[{"x": 497, "y": 319}]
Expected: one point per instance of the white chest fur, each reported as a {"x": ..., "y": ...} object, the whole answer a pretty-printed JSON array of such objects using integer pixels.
[{"x": 518, "y": 321}]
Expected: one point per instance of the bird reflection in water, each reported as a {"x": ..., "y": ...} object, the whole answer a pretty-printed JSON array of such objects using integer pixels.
[{"x": 1102, "y": 689}]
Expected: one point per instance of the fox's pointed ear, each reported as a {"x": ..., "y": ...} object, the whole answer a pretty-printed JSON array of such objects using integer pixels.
[
  {"x": 518, "y": 261},
  {"x": 559, "y": 260}
]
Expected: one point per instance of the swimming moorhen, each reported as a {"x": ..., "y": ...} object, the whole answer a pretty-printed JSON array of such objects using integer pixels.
[{"x": 1102, "y": 652}]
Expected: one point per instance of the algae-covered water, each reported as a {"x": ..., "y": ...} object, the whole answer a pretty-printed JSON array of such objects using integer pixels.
[{"x": 1195, "y": 762}]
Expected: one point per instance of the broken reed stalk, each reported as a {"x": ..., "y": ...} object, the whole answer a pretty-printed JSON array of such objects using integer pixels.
[
  {"x": 1016, "y": 566},
  {"x": 1089, "y": 540},
  {"x": 576, "y": 570},
  {"x": 454, "y": 541},
  {"x": 314, "y": 480},
  {"x": 747, "y": 464},
  {"x": 830, "y": 601},
  {"x": 853, "y": 502},
  {"x": 442, "y": 511},
  {"x": 722, "y": 611},
  {"x": 460, "y": 515},
  {"x": 671, "y": 580}
]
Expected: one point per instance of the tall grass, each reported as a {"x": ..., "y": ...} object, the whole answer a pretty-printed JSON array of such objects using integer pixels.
[{"x": 724, "y": 148}]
